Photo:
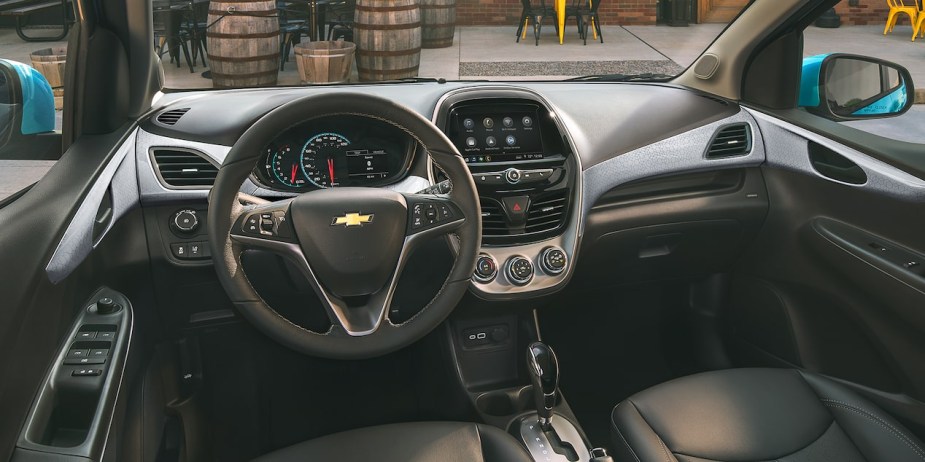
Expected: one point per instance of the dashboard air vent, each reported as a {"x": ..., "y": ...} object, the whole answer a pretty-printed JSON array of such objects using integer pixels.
[
  {"x": 547, "y": 212},
  {"x": 493, "y": 221},
  {"x": 184, "y": 169},
  {"x": 172, "y": 116},
  {"x": 730, "y": 141}
]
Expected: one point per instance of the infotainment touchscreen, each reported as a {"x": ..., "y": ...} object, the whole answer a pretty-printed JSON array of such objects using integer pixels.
[{"x": 497, "y": 134}]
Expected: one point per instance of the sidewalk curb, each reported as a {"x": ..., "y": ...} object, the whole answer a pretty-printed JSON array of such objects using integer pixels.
[{"x": 920, "y": 96}]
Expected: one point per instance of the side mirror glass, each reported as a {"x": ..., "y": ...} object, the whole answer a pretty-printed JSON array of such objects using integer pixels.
[{"x": 849, "y": 87}]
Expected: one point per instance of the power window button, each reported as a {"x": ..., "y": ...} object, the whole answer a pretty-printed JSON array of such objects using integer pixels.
[
  {"x": 102, "y": 353},
  {"x": 105, "y": 335},
  {"x": 78, "y": 353},
  {"x": 86, "y": 372},
  {"x": 86, "y": 335}
]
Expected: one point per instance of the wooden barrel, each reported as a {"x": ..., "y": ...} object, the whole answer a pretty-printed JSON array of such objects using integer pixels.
[
  {"x": 325, "y": 62},
  {"x": 50, "y": 62},
  {"x": 438, "y": 23},
  {"x": 388, "y": 38},
  {"x": 243, "y": 43}
]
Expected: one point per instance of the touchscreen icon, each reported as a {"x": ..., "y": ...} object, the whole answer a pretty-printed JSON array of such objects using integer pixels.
[
  {"x": 490, "y": 141},
  {"x": 508, "y": 122},
  {"x": 471, "y": 142},
  {"x": 469, "y": 124},
  {"x": 527, "y": 121},
  {"x": 510, "y": 140},
  {"x": 488, "y": 122}
]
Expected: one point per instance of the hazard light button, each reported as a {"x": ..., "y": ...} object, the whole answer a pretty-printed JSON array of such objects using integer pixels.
[{"x": 516, "y": 208}]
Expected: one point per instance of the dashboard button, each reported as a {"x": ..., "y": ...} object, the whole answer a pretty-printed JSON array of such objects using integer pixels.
[
  {"x": 512, "y": 175},
  {"x": 485, "y": 268},
  {"x": 516, "y": 208},
  {"x": 553, "y": 260},
  {"x": 186, "y": 221},
  {"x": 180, "y": 250},
  {"x": 519, "y": 270}
]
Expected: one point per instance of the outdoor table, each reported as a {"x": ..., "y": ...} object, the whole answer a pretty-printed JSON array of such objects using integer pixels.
[
  {"x": 316, "y": 11},
  {"x": 560, "y": 17}
]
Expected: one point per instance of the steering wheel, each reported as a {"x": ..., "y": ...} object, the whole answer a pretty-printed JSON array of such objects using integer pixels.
[{"x": 350, "y": 243}]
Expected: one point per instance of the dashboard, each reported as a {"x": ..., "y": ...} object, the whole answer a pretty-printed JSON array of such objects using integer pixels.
[
  {"x": 543, "y": 157},
  {"x": 335, "y": 151}
]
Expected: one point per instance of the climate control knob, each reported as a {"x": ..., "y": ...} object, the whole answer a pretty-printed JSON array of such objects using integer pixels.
[
  {"x": 485, "y": 269},
  {"x": 553, "y": 260},
  {"x": 519, "y": 270}
]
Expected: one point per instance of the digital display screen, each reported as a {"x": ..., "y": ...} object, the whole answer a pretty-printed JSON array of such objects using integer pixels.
[
  {"x": 498, "y": 135},
  {"x": 366, "y": 164}
]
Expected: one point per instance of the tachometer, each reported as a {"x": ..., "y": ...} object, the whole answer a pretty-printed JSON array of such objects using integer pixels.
[
  {"x": 324, "y": 162},
  {"x": 284, "y": 165}
]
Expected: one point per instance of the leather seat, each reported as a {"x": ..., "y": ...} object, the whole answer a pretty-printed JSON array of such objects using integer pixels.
[
  {"x": 757, "y": 415},
  {"x": 409, "y": 442}
]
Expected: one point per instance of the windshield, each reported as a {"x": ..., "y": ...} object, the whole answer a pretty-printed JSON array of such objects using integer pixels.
[{"x": 237, "y": 43}]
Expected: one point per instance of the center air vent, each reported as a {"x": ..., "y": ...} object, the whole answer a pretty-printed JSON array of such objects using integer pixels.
[
  {"x": 546, "y": 213},
  {"x": 172, "y": 116},
  {"x": 184, "y": 169},
  {"x": 730, "y": 141},
  {"x": 493, "y": 221}
]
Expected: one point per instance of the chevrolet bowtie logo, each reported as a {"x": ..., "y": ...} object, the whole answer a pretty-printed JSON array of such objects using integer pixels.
[{"x": 352, "y": 219}]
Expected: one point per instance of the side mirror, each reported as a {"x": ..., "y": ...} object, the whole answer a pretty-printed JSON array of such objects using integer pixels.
[
  {"x": 848, "y": 87},
  {"x": 27, "y": 105}
]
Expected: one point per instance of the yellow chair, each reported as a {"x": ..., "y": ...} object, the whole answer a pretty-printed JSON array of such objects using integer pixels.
[
  {"x": 898, "y": 7},
  {"x": 918, "y": 26}
]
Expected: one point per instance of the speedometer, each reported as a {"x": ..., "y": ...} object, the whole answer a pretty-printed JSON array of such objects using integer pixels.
[{"x": 324, "y": 160}]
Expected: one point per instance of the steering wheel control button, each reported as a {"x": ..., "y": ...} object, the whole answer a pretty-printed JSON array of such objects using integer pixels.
[
  {"x": 553, "y": 260},
  {"x": 512, "y": 175},
  {"x": 252, "y": 224},
  {"x": 519, "y": 270},
  {"x": 516, "y": 208},
  {"x": 485, "y": 269},
  {"x": 186, "y": 221},
  {"x": 429, "y": 213}
]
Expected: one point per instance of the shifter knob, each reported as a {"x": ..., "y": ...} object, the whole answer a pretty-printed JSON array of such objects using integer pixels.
[{"x": 543, "y": 367}]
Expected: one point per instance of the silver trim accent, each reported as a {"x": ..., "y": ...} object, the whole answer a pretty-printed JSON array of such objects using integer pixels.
[
  {"x": 536, "y": 441},
  {"x": 569, "y": 240},
  {"x": 380, "y": 301},
  {"x": 195, "y": 220},
  {"x": 77, "y": 242},
  {"x": 790, "y": 153}
]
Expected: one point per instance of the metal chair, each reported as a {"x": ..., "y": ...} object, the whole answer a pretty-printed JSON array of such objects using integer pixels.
[
  {"x": 587, "y": 16},
  {"x": 918, "y": 26},
  {"x": 898, "y": 7},
  {"x": 537, "y": 13}
]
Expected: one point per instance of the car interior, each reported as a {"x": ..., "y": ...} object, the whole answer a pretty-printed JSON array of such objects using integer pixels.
[{"x": 694, "y": 269}]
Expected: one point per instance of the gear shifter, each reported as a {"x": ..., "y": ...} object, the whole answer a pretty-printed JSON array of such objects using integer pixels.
[{"x": 544, "y": 373}]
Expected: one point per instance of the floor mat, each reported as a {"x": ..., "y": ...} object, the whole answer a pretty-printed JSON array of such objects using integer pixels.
[{"x": 615, "y": 342}]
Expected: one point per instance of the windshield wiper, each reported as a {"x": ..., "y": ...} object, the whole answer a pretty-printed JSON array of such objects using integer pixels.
[{"x": 622, "y": 77}]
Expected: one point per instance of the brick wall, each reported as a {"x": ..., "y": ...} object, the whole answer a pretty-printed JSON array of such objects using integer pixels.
[
  {"x": 507, "y": 12},
  {"x": 866, "y": 12}
]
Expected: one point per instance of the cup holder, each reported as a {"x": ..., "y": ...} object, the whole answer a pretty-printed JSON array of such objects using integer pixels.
[{"x": 506, "y": 403}]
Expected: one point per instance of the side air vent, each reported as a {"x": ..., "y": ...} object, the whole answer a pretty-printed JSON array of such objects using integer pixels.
[
  {"x": 493, "y": 221},
  {"x": 172, "y": 116},
  {"x": 547, "y": 212},
  {"x": 730, "y": 141},
  {"x": 184, "y": 169}
]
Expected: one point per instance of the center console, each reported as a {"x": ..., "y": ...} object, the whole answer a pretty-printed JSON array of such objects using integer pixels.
[{"x": 528, "y": 182}]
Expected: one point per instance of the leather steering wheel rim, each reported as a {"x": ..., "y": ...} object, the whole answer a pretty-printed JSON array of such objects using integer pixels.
[{"x": 339, "y": 343}]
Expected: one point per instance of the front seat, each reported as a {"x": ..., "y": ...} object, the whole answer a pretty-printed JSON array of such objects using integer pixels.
[
  {"x": 409, "y": 442},
  {"x": 757, "y": 415}
]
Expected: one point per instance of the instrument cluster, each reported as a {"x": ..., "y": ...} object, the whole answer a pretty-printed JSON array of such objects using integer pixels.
[{"x": 335, "y": 151}]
